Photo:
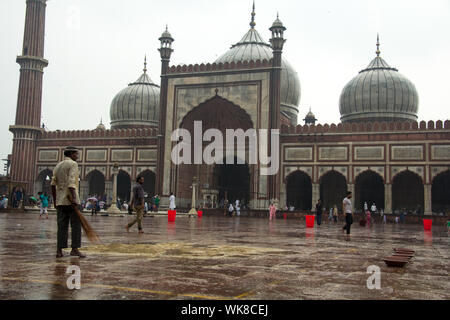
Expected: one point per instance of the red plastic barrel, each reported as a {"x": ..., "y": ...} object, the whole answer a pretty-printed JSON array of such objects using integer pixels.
[
  {"x": 199, "y": 213},
  {"x": 427, "y": 224},
  {"x": 310, "y": 221},
  {"x": 171, "y": 215}
]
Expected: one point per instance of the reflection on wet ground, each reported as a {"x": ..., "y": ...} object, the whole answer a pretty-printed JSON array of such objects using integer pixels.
[{"x": 221, "y": 258}]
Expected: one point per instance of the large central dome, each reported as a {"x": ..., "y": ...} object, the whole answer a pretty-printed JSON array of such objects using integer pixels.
[{"x": 253, "y": 47}]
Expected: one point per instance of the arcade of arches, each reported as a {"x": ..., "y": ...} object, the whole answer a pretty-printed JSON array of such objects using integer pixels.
[
  {"x": 232, "y": 181},
  {"x": 406, "y": 191}
]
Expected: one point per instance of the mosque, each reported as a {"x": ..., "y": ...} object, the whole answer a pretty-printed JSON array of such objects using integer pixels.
[{"x": 380, "y": 150}]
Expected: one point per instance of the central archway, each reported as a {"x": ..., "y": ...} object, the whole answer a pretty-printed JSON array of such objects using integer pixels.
[
  {"x": 221, "y": 114},
  {"x": 299, "y": 191},
  {"x": 232, "y": 181}
]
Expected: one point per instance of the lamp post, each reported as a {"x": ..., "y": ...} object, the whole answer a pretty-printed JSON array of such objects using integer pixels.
[{"x": 113, "y": 208}]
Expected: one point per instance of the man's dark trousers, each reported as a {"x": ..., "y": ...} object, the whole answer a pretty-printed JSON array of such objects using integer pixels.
[{"x": 66, "y": 214}]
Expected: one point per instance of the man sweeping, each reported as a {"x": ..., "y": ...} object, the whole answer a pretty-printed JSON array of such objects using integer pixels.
[{"x": 64, "y": 187}]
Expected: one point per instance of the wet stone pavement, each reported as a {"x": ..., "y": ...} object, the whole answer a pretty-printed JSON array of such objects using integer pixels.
[{"x": 221, "y": 258}]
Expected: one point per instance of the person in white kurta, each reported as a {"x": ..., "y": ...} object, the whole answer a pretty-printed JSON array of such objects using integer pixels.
[
  {"x": 238, "y": 209},
  {"x": 172, "y": 205}
]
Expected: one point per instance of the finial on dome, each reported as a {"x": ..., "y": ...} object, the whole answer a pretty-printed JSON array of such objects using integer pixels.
[
  {"x": 145, "y": 64},
  {"x": 252, "y": 23},
  {"x": 378, "y": 45}
]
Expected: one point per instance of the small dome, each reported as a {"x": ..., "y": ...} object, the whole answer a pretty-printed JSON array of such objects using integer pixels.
[
  {"x": 100, "y": 126},
  {"x": 253, "y": 47},
  {"x": 379, "y": 92},
  {"x": 137, "y": 105},
  {"x": 277, "y": 23},
  {"x": 310, "y": 118},
  {"x": 166, "y": 34}
]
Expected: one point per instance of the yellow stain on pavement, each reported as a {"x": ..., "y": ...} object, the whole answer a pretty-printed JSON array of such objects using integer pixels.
[{"x": 118, "y": 288}]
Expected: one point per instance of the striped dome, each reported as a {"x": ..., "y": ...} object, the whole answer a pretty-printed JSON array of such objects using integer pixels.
[
  {"x": 379, "y": 92},
  {"x": 137, "y": 105},
  {"x": 253, "y": 47}
]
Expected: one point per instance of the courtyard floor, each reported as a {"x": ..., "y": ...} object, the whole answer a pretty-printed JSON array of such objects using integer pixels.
[{"x": 221, "y": 258}]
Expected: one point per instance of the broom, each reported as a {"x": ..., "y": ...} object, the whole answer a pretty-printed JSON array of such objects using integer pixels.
[{"x": 90, "y": 233}]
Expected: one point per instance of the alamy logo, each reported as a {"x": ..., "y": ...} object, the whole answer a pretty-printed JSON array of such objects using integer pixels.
[
  {"x": 74, "y": 281},
  {"x": 374, "y": 281},
  {"x": 213, "y": 153}
]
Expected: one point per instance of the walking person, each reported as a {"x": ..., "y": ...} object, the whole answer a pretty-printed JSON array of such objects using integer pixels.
[
  {"x": 383, "y": 216},
  {"x": 230, "y": 210},
  {"x": 319, "y": 212},
  {"x": 330, "y": 214},
  {"x": 373, "y": 208},
  {"x": 156, "y": 203},
  {"x": 94, "y": 208},
  {"x": 272, "y": 211},
  {"x": 138, "y": 203},
  {"x": 335, "y": 214},
  {"x": 348, "y": 210},
  {"x": 402, "y": 216},
  {"x": 368, "y": 218},
  {"x": 238, "y": 208},
  {"x": 64, "y": 184},
  {"x": 44, "y": 205}
]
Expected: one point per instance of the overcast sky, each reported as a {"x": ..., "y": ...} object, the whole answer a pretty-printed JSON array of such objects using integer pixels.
[{"x": 96, "y": 47}]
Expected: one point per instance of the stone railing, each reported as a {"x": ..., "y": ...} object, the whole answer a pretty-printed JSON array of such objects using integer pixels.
[
  {"x": 220, "y": 66},
  {"x": 101, "y": 134},
  {"x": 383, "y": 126}
]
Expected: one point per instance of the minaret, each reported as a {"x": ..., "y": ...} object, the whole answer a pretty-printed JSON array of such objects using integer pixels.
[
  {"x": 277, "y": 41},
  {"x": 27, "y": 128},
  {"x": 165, "y": 51}
]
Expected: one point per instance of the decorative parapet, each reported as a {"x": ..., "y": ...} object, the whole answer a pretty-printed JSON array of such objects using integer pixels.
[
  {"x": 376, "y": 126},
  {"x": 252, "y": 64},
  {"x": 101, "y": 134}
]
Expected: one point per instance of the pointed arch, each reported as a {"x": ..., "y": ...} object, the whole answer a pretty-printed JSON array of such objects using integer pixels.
[
  {"x": 440, "y": 192},
  {"x": 96, "y": 183},
  {"x": 369, "y": 187},
  {"x": 333, "y": 186},
  {"x": 299, "y": 190},
  {"x": 407, "y": 191}
]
